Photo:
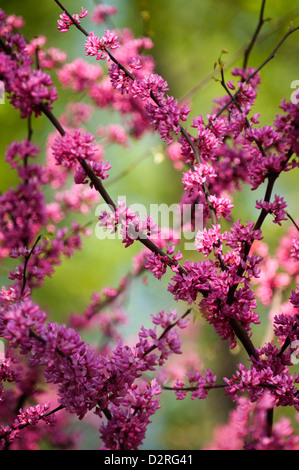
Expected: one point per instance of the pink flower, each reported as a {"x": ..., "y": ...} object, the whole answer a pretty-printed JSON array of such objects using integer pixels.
[
  {"x": 101, "y": 12},
  {"x": 69, "y": 148},
  {"x": 28, "y": 89},
  {"x": 276, "y": 208},
  {"x": 207, "y": 240},
  {"x": 20, "y": 151},
  {"x": 241, "y": 234},
  {"x": 194, "y": 179},
  {"x": 94, "y": 46},
  {"x": 157, "y": 263},
  {"x": 119, "y": 79},
  {"x": 128, "y": 422},
  {"x": 130, "y": 224},
  {"x": 208, "y": 139},
  {"x": 151, "y": 84},
  {"x": 99, "y": 169},
  {"x": 222, "y": 205},
  {"x": 77, "y": 198},
  {"x": 295, "y": 297},
  {"x": 115, "y": 133},
  {"x": 65, "y": 22},
  {"x": 198, "y": 384},
  {"x": 166, "y": 117},
  {"x": 175, "y": 155},
  {"x": 79, "y": 75}
]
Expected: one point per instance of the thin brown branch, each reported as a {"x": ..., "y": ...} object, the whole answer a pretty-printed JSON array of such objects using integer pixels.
[
  {"x": 24, "y": 425},
  {"x": 193, "y": 389},
  {"x": 270, "y": 57},
  {"x": 27, "y": 258},
  {"x": 78, "y": 25},
  {"x": 255, "y": 35},
  {"x": 292, "y": 220},
  {"x": 168, "y": 328}
]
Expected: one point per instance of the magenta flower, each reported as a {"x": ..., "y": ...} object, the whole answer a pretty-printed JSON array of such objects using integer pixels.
[
  {"x": 210, "y": 239},
  {"x": 94, "y": 46},
  {"x": 65, "y": 21},
  {"x": 276, "y": 208},
  {"x": 101, "y": 12},
  {"x": 20, "y": 151},
  {"x": 194, "y": 179},
  {"x": 79, "y": 75},
  {"x": 130, "y": 225},
  {"x": 126, "y": 428},
  {"x": 99, "y": 169},
  {"x": 70, "y": 147}
]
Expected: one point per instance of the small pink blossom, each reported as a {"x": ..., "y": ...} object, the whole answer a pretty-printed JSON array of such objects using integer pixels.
[
  {"x": 20, "y": 151},
  {"x": 198, "y": 384},
  {"x": 115, "y": 133},
  {"x": 98, "y": 168},
  {"x": 65, "y": 22},
  {"x": 207, "y": 240},
  {"x": 70, "y": 147},
  {"x": 79, "y": 75},
  {"x": 130, "y": 224},
  {"x": 94, "y": 46},
  {"x": 276, "y": 208},
  {"x": 101, "y": 12},
  {"x": 222, "y": 206},
  {"x": 194, "y": 179}
]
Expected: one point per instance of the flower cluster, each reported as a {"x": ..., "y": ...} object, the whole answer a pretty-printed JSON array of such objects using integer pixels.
[
  {"x": 94, "y": 46},
  {"x": 198, "y": 384},
  {"x": 79, "y": 75},
  {"x": 247, "y": 428},
  {"x": 29, "y": 417},
  {"x": 69, "y": 148},
  {"x": 65, "y": 21},
  {"x": 166, "y": 117},
  {"x": 101, "y": 12},
  {"x": 126, "y": 428},
  {"x": 157, "y": 263},
  {"x": 20, "y": 151},
  {"x": 86, "y": 379},
  {"x": 98, "y": 168},
  {"x": 276, "y": 208},
  {"x": 130, "y": 224},
  {"x": 208, "y": 240},
  {"x": 27, "y": 88},
  {"x": 268, "y": 370}
]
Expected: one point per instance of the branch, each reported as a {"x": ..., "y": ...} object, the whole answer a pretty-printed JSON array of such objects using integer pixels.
[
  {"x": 292, "y": 220},
  {"x": 78, "y": 26},
  {"x": 169, "y": 327},
  {"x": 239, "y": 53},
  {"x": 193, "y": 389},
  {"x": 187, "y": 136},
  {"x": 255, "y": 35},
  {"x": 22, "y": 426},
  {"x": 27, "y": 258},
  {"x": 238, "y": 329},
  {"x": 270, "y": 57}
]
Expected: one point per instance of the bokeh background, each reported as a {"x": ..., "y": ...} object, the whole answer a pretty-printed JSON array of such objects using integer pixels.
[{"x": 188, "y": 39}]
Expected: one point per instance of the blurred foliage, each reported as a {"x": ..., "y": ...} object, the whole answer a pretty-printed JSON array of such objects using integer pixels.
[{"x": 188, "y": 39}]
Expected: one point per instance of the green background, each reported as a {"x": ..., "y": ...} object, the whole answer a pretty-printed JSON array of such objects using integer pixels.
[{"x": 188, "y": 39}]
